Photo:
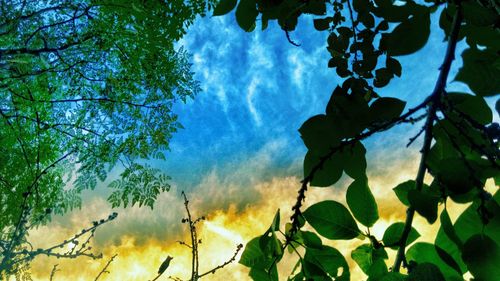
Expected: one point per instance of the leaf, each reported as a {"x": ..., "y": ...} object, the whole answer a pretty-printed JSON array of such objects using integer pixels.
[
  {"x": 448, "y": 228},
  {"x": 409, "y": 36},
  {"x": 402, "y": 190},
  {"x": 386, "y": 109},
  {"x": 369, "y": 261},
  {"x": 362, "y": 203},
  {"x": 318, "y": 134},
  {"x": 425, "y": 204},
  {"x": 422, "y": 252},
  {"x": 393, "y": 276},
  {"x": 472, "y": 107},
  {"x": 478, "y": 15},
  {"x": 332, "y": 220},
  {"x": 482, "y": 256},
  {"x": 354, "y": 161},
  {"x": 480, "y": 71},
  {"x": 311, "y": 240},
  {"x": 426, "y": 271},
  {"x": 224, "y": 7},
  {"x": 329, "y": 260},
  {"x": 252, "y": 255},
  {"x": 326, "y": 175},
  {"x": 394, "y": 66},
  {"x": 322, "y": 24},
  {"x": 246, "y": 14},
  {"x": 393, "y": 233}
]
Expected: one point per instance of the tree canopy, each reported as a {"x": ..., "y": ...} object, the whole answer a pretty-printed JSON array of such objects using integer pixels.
[
  {"x": 459, "y": 147},
  {"x": 84, "y": 86}
]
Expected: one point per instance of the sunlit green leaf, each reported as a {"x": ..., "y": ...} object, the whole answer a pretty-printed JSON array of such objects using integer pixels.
[
  {"x": 392, "y": 235},
  {"x": 362, "y": 203},
  {"x": 332, "y": 220}
]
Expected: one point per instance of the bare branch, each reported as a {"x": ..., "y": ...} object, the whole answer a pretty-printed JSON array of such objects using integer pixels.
[{"x": 104, "y": 269}]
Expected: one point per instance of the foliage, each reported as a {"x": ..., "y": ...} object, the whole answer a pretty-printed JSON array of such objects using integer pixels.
[
  {"x": 84, "y": 86},
  {"x": 459, "y": 151}
]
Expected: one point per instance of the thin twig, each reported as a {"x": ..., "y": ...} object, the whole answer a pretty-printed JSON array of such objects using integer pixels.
[
  {"x": 105, "y": 268},
  {"x": 232, "y": 259}
]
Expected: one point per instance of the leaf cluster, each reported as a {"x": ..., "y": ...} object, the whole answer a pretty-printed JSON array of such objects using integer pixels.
[{"x": 459, "y": 152}]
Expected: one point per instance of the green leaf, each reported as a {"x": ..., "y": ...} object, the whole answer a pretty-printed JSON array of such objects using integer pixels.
[
  {"x": 224, "y": 7},
  {"x": 472, "y": 107},
  {"x": 482, "y": 256},
  {"x": 264, "y": 274},
  {"x": 318, "y": 134},
  {"x": 426, "y": 271},
  {"x": 311, "y": 240},
  {"x": 354, "y": 161},
  {"x": 402, "y": 190},
  {"x": 393, "y": 233},
  {"x": 386, "y": 109},
  {"x": 393, "y": 276},
  {"x": 362, "y": 203},
  {"x": 329, "y": 260},
  {"x": 409, "y": 36},
  {"x": 327, "y": 174},
  {"x": 425, "y": 204},
  {"x": 253, "y": 255},
  {"x": 480, "y": 71},
  {"x": 369, "y": 260},
  {"x": 246, "y": 14},
  {"x": 332, "y": 220},
  {"x": 448, "y": 228},
  {"x": 422, "y": 252}
]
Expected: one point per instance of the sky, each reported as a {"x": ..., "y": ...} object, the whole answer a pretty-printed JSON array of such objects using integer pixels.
[{"x": 239, "y": 156}]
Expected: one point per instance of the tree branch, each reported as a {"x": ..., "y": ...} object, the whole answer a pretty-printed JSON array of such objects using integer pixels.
[
  {"x": 232, "y": 259},
  {"x": 435, "y": 98}
]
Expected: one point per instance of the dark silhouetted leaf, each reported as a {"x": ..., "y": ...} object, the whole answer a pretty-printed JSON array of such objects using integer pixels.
[
  {"x": 426, "y": 271},
  {"x": 409, "y": 36},
  {"x": 354, "y": 161},
  {"x": 482, "y": 256},
  {"x": 480, "y": 71},
  {"x": 402, "y": 189},
  {"x": 224, "y": 7},
  {"x": 386, "y": 109},
  {"x": 425, "y": 204},
  {"x": 472, "y": 107},
  {"x": 322, "y": 24},
  {"x": 328, "y": 174},
  {"x": 246, "y": 14}
]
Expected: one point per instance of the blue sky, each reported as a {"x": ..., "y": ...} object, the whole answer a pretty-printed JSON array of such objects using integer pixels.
[
  {"x": 258, "y": 89},
  {"x": 240, "y": 155}
]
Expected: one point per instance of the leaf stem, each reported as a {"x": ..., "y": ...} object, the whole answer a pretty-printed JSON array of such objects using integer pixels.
[{"x": 433, "y": 106}]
